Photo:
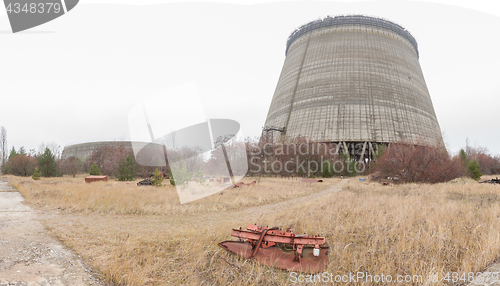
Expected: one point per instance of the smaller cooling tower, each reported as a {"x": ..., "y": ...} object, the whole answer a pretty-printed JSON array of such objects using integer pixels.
[{"x": 83, "y": 151}]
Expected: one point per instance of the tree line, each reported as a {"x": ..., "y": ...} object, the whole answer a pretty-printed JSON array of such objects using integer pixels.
[
  {"x": 47, "y": 161},
  {"x": 303, "y": 158},
  {"x": 401, "y": 161}
]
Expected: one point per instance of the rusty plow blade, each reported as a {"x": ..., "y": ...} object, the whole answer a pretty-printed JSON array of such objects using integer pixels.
[{"x": 280, "y": 249}]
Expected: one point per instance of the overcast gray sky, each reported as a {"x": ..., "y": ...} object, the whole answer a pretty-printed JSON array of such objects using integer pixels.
[{"x": 76, "y": 78}]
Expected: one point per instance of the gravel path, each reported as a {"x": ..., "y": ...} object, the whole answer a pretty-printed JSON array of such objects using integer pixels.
[{"x": 28, "y": 255}]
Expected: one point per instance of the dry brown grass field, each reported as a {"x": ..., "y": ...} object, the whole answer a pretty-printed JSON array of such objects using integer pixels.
[{"x": 143, "y": 236}]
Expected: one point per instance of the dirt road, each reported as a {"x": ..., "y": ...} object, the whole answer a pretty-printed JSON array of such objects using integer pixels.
[
  {"x": 290, "y": 203},
  {"x": 28, "y": 255}
]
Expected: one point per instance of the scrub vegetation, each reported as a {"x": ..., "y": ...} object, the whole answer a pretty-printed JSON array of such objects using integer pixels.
[{"x": 143, "y": 236}]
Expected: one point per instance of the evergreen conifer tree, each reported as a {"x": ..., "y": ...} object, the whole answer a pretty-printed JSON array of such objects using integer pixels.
[
  {"x": 127, "y": 170},
  {"x": 36, "y": 174},
  {"x": 47, "y": 164},
  {"x": 474, "y": 170},
  {"x": 94, "y": 170}
]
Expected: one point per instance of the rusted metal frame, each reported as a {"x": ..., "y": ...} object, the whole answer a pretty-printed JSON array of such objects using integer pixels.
[
  {"x": 262, "y": 235},
  {"x": 290, "y": 239},
  {"x": 273, "y": 230},
  {"x": 256, "y": 237},
  {"x": 298, "y": 252}
]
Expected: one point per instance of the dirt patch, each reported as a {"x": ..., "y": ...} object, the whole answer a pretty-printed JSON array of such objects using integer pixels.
[{"x": 28, "y": 255}]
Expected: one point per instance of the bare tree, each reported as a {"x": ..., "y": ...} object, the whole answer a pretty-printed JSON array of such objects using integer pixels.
[
  {"x": 108, "y": 158},
  {"x": 41, "y": 148},
  {"x": 71, "y": 166},
  {"x": 53, "y": 147},
  {"x": 3, "y": 146}
]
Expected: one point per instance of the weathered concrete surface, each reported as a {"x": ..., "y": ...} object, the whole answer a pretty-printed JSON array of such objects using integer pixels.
[
  {"x": 353, "y": 79},
  {"x": 28, "y": 256}
]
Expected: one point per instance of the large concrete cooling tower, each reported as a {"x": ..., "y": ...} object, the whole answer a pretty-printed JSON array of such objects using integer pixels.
[{"x": 352, "y": 79}]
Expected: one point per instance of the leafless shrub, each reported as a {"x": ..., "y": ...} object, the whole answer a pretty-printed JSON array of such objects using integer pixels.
[
  {"x": 489, "y": 164},
  {"x": 21, "y": 165},
  {"x": 108, "y": 158},
  {"x": 405, "y": 162},
  {"x": 69, "y": 166}
]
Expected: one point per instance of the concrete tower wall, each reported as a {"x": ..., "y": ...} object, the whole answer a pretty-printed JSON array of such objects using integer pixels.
[
  {"x": 353, "y": 79},
  {"x": 84, "y": 150}
]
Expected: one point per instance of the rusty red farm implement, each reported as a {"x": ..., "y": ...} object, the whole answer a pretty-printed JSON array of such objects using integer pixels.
[{"x": 281, "y": 249}]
